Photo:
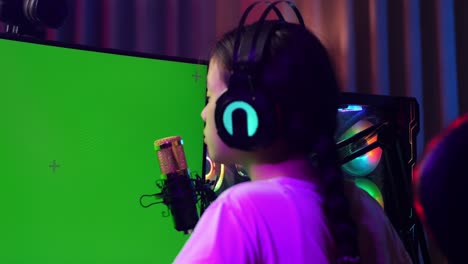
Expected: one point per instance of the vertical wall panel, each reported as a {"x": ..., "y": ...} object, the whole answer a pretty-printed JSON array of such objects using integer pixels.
[
  {"x": 431, "y": 94},
  {"x": 448, "y": 62},
  {"x": 413, "y": 60},
  {"x": 150, "y": 26},
  {"x": 348, "y": 47},
  {"x": 227, "y": 16},
  {"x": 397, "y": 66},
  {"x": 122, "y": 24},
  {"x": 379, "y": 47},
  {"x": 363, "y": 66},
  {"x": 461, "y": 35},
  {"x": 172, "y": 25},
  {"x": 205, "y": 32}
]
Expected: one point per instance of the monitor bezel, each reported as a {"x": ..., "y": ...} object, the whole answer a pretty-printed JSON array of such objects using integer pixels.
[{"x": 130, "y": 53}]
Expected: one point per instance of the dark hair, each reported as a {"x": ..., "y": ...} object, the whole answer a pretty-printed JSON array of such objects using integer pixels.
[
  {"x": 442, "y": 177},
  {"x": 297, "y": 73}
]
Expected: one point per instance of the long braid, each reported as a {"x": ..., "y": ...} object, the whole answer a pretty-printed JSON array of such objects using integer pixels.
[{"x": 336, "y": 205}]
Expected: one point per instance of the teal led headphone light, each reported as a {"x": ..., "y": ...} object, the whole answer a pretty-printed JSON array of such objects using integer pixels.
[{"x": 245, "y": 116}]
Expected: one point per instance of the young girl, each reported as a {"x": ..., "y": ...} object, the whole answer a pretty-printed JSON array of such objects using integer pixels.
[{"x": 294, "y": 209}]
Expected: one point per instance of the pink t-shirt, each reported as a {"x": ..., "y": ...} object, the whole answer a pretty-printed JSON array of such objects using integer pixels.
[{"x": 281, "y": 220}]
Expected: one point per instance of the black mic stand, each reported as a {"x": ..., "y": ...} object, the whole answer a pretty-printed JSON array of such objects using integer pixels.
[
  {"x": 204, "y": 192},
  {"x": 202, "y": 188}
]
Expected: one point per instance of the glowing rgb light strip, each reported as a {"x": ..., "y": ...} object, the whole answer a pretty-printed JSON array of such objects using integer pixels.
[
  {"x": 351, "y": 108},
  {"x": 371, "y": 189},
  {"x": 211, "y": 174}
]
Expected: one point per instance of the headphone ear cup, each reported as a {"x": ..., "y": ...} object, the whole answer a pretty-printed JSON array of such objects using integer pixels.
[{"x": 246, "y": 121}]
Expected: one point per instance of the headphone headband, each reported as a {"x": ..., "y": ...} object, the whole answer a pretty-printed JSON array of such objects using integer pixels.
[
  {"x": 271, "y": 6},
  {"x": 246, "y": 115},
  {"x": 262, "y": 21},
  {"x": 242, "y": 23}
]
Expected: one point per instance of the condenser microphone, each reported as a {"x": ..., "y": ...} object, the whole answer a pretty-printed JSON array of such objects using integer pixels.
[{"x": 180, "y": 192}]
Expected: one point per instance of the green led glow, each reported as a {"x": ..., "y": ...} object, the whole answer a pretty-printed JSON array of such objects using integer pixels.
[
  {"x": 252, "y": 117},
  {"x": 371, "y": 189}
]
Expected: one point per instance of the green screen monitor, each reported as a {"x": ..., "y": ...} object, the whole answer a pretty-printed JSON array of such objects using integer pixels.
[{"x": 77, "y": 127}]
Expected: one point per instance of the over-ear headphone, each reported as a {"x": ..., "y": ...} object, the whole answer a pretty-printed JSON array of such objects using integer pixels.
[{"x": 245, "y": 116}]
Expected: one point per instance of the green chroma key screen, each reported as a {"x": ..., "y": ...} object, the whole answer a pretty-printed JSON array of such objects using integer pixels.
[{"x": 77, "y": 128}]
